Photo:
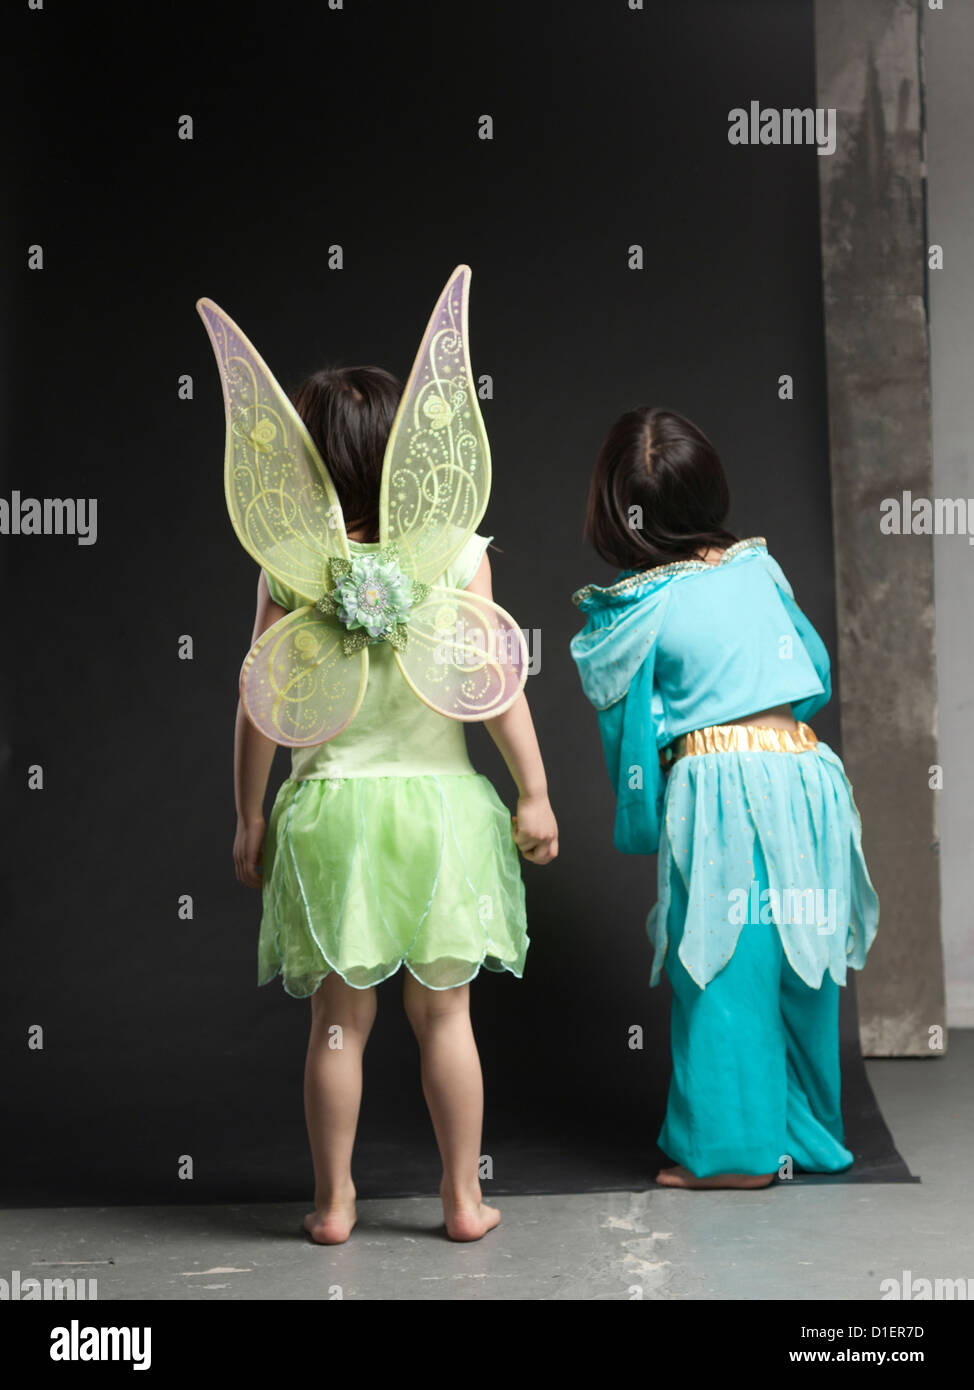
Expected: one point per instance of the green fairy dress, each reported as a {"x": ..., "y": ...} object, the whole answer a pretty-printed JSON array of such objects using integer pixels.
[{"x": 384, "y": 847}]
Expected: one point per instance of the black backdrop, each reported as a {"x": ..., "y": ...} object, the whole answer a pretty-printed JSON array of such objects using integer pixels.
[{"x": 358, "y": 127}]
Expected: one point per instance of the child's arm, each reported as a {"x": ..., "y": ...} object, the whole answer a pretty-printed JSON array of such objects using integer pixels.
[
  {"x": 253, "y": 754},
  {"x": 535, "y": 827}
]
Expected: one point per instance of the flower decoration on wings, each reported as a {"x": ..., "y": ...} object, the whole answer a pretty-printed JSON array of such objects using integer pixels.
[{"x": 304, "y": 679}]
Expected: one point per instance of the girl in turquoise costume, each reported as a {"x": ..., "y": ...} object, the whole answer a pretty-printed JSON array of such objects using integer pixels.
[
  {"x": 703, "y": 671},
  {"x": 375, "y": 637}
]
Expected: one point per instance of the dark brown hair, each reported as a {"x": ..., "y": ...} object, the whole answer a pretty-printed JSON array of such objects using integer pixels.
[
  {"x": 348, "y": 411},
  {"x": 658, "y": 492}
]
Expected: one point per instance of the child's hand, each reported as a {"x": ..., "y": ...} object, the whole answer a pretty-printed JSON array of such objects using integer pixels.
[
  {"x": 535, "y": 829},
  {"x": 248, "y": 851}
]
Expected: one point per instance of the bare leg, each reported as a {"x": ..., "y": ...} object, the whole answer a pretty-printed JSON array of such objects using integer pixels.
[
  {"x": 454, "y": 1091},
  {"x": 341, "y": 1020},
  {"x": 682, "y": 1177}
]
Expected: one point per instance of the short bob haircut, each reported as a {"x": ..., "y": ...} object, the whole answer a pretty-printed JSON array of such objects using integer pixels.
[
  {"x": 348, "y": 411},
  {"x": 658, "y": 492}
]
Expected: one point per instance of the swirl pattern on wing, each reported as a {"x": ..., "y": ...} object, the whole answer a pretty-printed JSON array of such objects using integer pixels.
[
  {"x": 465, "y": 657},
  {"x": 297, "y": 685},
  {"x": 436, "y": 471},
  {"x": 282, "y": 503}
]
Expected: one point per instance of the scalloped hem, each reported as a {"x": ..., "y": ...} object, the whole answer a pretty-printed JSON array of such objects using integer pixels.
[
  {"x": 500, "y": 968},
  {"x": 659, "y": 959}
]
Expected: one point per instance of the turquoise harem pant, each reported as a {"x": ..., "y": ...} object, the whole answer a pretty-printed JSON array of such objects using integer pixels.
[{"x": 755, "y": 1061}]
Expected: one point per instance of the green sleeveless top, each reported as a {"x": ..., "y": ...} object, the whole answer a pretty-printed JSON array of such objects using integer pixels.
[{"x": 394, "y": 734}]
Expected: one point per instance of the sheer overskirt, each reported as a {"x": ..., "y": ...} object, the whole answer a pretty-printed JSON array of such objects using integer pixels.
[
  {"x": 799, "y": 808},
  {"x": 363, "y": 875}
]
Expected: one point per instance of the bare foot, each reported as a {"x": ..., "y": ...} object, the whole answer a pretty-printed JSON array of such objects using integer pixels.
[
  {"x": 331, "y": 1222},
  {"x": 682, "y": 1177},
  {"x": 467, "y": 1218}
]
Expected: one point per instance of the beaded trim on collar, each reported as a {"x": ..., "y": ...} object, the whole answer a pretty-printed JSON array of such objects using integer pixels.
[{"x": 676, "y": 567}]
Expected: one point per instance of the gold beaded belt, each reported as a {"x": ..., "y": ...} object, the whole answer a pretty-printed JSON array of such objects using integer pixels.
[{"x": 731, "y": 738}]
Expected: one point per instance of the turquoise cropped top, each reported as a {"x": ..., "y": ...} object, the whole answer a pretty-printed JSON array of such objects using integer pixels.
[{"x": 683, "y": 646}]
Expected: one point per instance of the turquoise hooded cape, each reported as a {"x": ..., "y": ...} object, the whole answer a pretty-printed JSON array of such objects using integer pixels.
[{"x": 683, "y": 646}]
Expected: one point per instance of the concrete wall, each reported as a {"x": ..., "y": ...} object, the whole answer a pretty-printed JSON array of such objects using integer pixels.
[
  {"x": 948, "y": 42},
  {"x": 877, "y": 361}
]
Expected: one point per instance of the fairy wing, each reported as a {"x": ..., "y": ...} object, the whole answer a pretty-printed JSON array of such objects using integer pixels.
[
  {"x": 296, "y": 683},
  {"x": 464, "y": 656},
  {"x": 282, "y": 502},
  {"x": 436, "y": 469}
]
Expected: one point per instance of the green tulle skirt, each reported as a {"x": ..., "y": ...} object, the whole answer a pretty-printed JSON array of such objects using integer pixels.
[{"x": 365, "y": 874}]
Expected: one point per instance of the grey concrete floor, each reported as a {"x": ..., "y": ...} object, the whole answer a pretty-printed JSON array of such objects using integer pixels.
[{"x": 834, "y": 1241}]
